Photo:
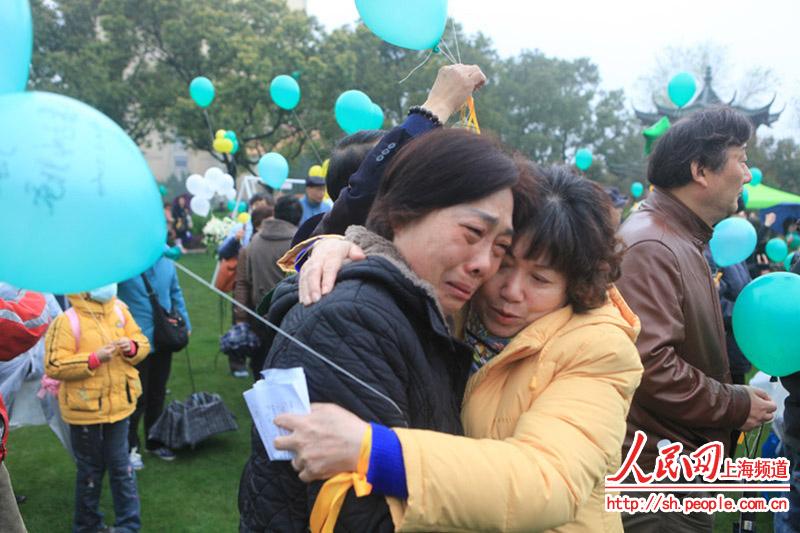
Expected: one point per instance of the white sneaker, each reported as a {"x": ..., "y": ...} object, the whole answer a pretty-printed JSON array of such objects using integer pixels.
[{"x": 136, "y": 459}]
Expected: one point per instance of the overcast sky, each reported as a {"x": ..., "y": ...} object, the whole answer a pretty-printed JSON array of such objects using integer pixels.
[{"x": 625, "y": 37}]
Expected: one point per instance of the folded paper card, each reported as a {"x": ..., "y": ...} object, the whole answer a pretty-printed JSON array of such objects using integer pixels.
[{"x": 283, "y": 390}]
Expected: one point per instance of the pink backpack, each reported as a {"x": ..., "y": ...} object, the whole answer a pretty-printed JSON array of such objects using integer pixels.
[
  {"x": 75, "y": 323},
  {"x": 50, "y": 385}
]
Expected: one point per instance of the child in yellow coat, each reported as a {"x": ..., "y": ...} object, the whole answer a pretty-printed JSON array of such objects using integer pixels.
[{"x": 92, "y": 350}]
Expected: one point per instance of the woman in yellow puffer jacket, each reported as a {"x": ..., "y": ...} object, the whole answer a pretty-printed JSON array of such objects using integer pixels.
[
  {"x": 92, "y": 350},
  {"x": 555, "y": 369}
]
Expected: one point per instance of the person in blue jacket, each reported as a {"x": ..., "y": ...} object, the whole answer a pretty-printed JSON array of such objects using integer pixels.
[{"x": 154, "y": 370}]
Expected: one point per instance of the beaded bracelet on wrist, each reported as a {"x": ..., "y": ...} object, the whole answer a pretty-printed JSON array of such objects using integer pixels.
[{"x": 419, "y": 110}]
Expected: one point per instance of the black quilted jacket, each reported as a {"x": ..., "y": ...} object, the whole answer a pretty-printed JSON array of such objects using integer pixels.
[{"x": 382, "y": 324}]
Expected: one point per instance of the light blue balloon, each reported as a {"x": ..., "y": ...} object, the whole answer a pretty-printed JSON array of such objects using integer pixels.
[
  {"x": 354, "y": 112},
  {"x": 202, "y": 91},
  {"x": 16, "y": 29},
  {"x": 637, "y": 189},
  {"x": 285, "y": 92},
  {"x": 376, "y": 117},
  {"x": 79, "y": 206},
  {"x": 414, "y": 24},
  {"x": 733, "y": 241},
  {"x": 766, "y": 318},
  {"x": 681, "y": 89},
  {"x": 757, "y": 176},
  {"x": 583, "y": 159},
  {"x": 777, "y": 250},
  {"x": 273, "y": 169}
]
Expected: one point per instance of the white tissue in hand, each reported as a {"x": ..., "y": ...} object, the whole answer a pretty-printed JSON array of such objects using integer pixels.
[{"x": 283, "y": 390}]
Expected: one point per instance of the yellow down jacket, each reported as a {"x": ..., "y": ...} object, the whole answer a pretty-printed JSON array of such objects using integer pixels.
[
  {"x": 107, "y": 394},
  {"x": 546, "y": 419}
]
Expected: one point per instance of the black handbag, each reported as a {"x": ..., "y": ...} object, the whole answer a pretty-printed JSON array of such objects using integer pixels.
[{"x": 169, "y": 328}]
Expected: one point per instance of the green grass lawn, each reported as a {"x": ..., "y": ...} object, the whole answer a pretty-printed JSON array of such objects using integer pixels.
[{"x": 196, "y": 492}]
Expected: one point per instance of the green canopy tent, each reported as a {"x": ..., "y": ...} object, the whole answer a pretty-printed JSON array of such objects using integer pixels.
[{"x": 762, "y": 197}]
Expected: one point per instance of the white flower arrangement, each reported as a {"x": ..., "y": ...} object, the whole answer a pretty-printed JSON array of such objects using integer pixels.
[{"x": 215, "y": 231}]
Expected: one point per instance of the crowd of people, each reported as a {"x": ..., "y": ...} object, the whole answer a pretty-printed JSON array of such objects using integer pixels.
[{"x": 509, "y": 338}]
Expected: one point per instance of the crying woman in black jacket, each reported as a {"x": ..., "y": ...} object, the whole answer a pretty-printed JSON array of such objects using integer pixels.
[{"x": 439, "y": 227}]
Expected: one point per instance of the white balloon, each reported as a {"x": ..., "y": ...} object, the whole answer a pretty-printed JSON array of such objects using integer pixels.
[
  {"x": 216, "y": 177},
  {"x": 229, "y": 194},
  {"x": 228, "y": 182},
  {"x": 200, "y": 206},
  {"x": 194, "y": 184},
  {"x": 207, "y": 190}
]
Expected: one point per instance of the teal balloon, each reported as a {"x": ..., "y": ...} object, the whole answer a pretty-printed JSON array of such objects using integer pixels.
[
  {"x": 162, "y": 190},
  {"x": 78, "y": 203},
  {"x": 793, "y": 241},
  {"x": 583, "y": 159},
  {"x": 241, "y": 208},
  {"x": 765, "y": 319},
  {"x": 414, "y": 24},
  {"x": 376, "y": 117},
  {"x": 757, "y": 176},
  {"x": 173, "y": 253},
  {"x": 354, "y": 112},
  {"x": 231, "y": 136},
  {"x": 787, "y": 263},
  {"x": 733, "y": 241},
  {"x": 273, "y": 169},
  {"x": 202, "y": 91},
  {"x": 745, "y": 196},
  {"x": 681, "y": 89},
  {"x": 637, "y": 189},
  {"x": 16, "y": 28},
  {"x": 777, "y": 250},
  {"x": 285, "y": 92}
]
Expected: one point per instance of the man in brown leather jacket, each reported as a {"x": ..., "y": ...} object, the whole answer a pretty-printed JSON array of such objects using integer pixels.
[{"x": 698, "y": 169}]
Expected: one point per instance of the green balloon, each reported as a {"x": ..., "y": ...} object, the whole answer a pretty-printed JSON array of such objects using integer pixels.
[
  {"x": 654, "y": 132},
  {"x": 765, "y": 316},
  {"x": 583, "y": 159},
  {"x": 777, "y": 250}
]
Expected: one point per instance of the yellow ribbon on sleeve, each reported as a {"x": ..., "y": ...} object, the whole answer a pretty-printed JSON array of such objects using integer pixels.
[{"x": 331, "y": 496}]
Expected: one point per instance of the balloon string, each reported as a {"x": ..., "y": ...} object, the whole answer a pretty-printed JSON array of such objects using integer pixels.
[
  {"x": 310, "y": 140},
  {"x": 455, "y": 37},
  {"x": 430, "y": 53},
  {"x": 446, "y": 52},
  {"x": 208, "y": 123},
  {"x": 290, "y": 337}
]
